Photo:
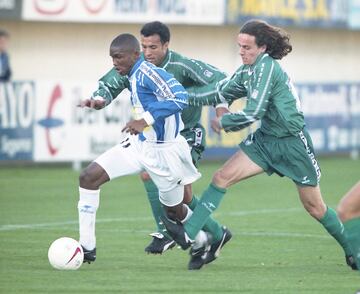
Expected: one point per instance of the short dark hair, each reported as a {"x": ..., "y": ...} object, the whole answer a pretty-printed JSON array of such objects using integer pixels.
[
  {"x": 4, "y": 33},
  {"x": 127, "y": 42},
  {"x": 277, "y": 40},
  {"x": 156, "y": 28}
]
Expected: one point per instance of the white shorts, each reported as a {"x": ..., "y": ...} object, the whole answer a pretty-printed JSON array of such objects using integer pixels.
[{"x": 168, "y": 164}]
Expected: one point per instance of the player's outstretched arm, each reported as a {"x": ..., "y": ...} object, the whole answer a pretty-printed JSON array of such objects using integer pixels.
[
  {"x": 203, "y": 79},
  {"x": 98, "y": 103},
  {"x": 111, "y": 85}
]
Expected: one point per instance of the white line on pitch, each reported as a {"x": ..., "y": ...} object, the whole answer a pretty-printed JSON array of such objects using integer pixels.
[
  {"x": 59, "y": 224},
  {"x": 12, "y": 227},
  {"x": 262, "y": 211}
]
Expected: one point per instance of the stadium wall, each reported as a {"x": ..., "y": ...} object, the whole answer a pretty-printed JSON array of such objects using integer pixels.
[{"x": 78, "y": 51}]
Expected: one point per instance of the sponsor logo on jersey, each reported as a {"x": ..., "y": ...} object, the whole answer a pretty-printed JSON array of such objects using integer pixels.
[
  {"x": 254, "y": 94},
  {"x": 208, "y": 73}
]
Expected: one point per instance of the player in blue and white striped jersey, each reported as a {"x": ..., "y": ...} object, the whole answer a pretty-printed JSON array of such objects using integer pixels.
[
  {"x": 154, "y": 143},
  {"x": 158, "y": 97}
]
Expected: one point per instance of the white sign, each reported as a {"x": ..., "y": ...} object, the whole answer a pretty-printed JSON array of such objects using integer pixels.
[
  {"x": 126, "y": 11},
  {"x": 65, "y": 132}
]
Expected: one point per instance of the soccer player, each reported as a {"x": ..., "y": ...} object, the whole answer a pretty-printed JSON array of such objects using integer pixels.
[
  {"x": 281, "y": 145},
  {"x": 200, "y": 80},
  {"x": 349, "y": 213},
  {"x": 153, "y": 143}
]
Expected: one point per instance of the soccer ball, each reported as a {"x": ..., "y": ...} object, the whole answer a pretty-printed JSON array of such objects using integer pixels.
[{"x": 65, "y": 254}]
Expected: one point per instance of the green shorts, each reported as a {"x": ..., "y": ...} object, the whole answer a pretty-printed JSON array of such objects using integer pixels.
[
  {"x": 292, "y": 156},
  {"x": 196, "y": 139}
]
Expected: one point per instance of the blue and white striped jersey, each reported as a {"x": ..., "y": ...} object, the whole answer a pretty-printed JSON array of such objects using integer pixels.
[{"x": 158, "y": 98}]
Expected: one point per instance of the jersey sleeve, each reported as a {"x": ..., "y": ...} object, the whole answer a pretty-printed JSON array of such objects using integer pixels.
[
  {"x": 203, "y": 95},
  {"x": 111, "y": 85},
  {"x": 258, "y": 93},
  {"x": 166, "y": 86},
  {"x": 203, "y": 79}
]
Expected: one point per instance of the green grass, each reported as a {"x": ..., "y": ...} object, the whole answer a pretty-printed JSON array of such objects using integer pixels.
[{"x": 276, "y": 248}]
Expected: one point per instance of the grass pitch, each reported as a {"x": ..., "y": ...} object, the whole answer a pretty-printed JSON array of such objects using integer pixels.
[{"x": 276, "y": 246}]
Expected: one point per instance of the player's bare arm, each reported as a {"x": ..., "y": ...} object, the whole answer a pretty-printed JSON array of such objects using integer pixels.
[
  {"x": 221, "y": 109},
  {"x": 216, "y": 125},
  {"x": 92, "y": 103}
]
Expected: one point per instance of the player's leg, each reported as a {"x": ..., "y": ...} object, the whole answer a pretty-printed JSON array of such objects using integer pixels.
[
  {"x": 238, "y": 167},
  {"x": 173, "y": 171},
  {"x": 196, "y": 139},
  {"x": 349, "y": 206},
  {"x": 161, "y": 241},
  {"x": 90, "y": 180},
  {"x": 176, "y": 210},
  {"x": 117, "y": 161},
  {"x": 219, "y": 236},
  {"x": 200, "y": 250},
  {"x": 211, "y": 225},
  {"x": 299, "y": 164},
  {"x": 315, "y": 206},
  {"x": 228, "y": 175},
  {"x": 175, "y": 160},
  {"x": 245, "y": 163},
  {"x": 349, "y": 213}
]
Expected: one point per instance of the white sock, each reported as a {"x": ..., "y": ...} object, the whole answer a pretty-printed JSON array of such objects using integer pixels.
[
  {"x": 201, "y": 238},
  {"x": 87, "y": 206},
  {"x": 188, "y": 214}
]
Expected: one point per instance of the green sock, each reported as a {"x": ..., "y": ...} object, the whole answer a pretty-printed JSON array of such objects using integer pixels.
[
  {"x": 211, "y": 225},
  {"x": 335, "y": 228},
  {"x": 156, "y": 207},
  {"x": 209, "y": 201},
  {"x": 194, "y": 201},
  {"x": 352, "y": 228}
]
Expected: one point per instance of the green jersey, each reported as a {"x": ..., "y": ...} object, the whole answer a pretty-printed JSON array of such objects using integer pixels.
[
  {"x": 270, "y": 95},
  {"x": 197, "y": 77}
]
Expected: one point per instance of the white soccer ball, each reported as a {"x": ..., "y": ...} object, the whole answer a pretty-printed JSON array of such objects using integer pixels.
[{"x": 65, "y": 254}]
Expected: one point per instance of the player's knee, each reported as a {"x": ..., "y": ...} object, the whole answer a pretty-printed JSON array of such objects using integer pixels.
[
  {"x": 171, "y": 215},
  {"x": 177, "y": 212},
  {"x": 145, "y": 176},
  {"x": 188, "y": 195},
  {"x": 343, "y": 213},
  {"x": 85, "y": 178},
  {"x": 171, "y": 212},
  {"x": 220, "y": 180},
  {"x": 92, "y": 178},
  {"x": 317, "y": 211}
]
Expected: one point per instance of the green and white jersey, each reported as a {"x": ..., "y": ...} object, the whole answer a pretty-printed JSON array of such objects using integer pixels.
[
  {"x": 270, "y": 95},
  {"x": 197, "y": 77}
]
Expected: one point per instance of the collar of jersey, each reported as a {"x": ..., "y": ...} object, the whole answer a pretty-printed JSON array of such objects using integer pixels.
[
  {"x": 261, "y": 56},
  {"x": 136, "y": 65},
  {"x": 166, "y": 59}
]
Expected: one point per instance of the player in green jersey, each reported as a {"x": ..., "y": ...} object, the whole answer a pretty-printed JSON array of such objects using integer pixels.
[
  {"x": 200, "y": 80},
  {"x": 281, "y": 145},
  {"x": 349, "y": 213}
]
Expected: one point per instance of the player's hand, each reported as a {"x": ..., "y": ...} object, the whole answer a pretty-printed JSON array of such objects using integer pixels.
[
  {"x": 135, "y": 127},
  {"x": 215, "y": 125},
  {"x": 220, "y": 111},
  {"x": 92, "y": 103}
]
